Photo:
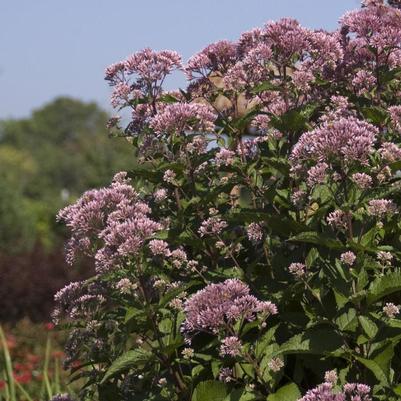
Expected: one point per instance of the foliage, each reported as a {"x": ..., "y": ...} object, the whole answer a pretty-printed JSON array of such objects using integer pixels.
[
  {"x": 262, "y": 257},
  {"x": 48, "y": 160}
]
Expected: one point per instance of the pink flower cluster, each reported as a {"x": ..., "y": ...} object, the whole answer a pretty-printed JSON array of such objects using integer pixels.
[
  {"x": 224, "y": 157},
  {"x": 391, "y": 310},
  {"x": 349, "y": 392},
  {"x": 77, "y": 301},
  {"x": 373, "y": 27},
  {"x": 362, "y": 180},
  {"x": 141, "y": 75},
  {"x": 281, "y": 44},
  {"x": 363, "y": 81},
  {"x": 347, "y": 140},
  {"x": 254, "y": 232},
  {"x": 230, "y": 346},
  {"x": 111, "y": 222},
  {"x": 390, "y": 152},
  {"x": 381, "y": 207},
  {"x": 211, "y": 308},
  {"x": 317, "y": 174},
  {"x": 395, "y": 115},
  {"x": 180, "y": 117},
  {"x": 298, "y": 270},
  {"x": 148, "y": 66},
  {"x": 159, "y": 248},
  {"x": 212, "y": 226},
  {"x": 338, "y": 219},
  {"x": 217, "y": 57},
  {"x": 348, "y": 258}
]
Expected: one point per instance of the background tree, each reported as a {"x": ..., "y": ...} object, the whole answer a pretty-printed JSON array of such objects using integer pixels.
[{"x": 46, "y": 161}]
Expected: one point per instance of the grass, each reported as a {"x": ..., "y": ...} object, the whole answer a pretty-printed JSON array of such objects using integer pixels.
[{"x": 30, "y": 364}]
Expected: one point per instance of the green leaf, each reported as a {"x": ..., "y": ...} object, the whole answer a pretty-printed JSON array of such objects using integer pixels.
[
  {"x": 240, "y": 395},
  {"x": 210, "y": 390},
  {"x": 369, "y": 327},
  {"x": 319, "y": 341},
  {"x": 375, "y": 115},
  {"x": 131, "y": 359},
  {"x": 176, "y": 291},
  {"x": 312, "y": 256},
  {"x": 289, "y": 392},
  {"x": 144, "y": 172},
  {"x": 375, "y": 369},
  {"x": 284, "y": 226},
  {"x": 168, "y": 98},
  {"x": 384, "y": 286},
  {"x": 166, "y": 326},
  {"x": 291, "y": 121},
  {"x": 264, "y": 341},
  {"x": 384, "y": 358},
  {"x": 132, "y": 313},
  {"x": 264, "y": 86},
  {"x": 347, "y": 321},
  {"x": 316, "y": 238}
]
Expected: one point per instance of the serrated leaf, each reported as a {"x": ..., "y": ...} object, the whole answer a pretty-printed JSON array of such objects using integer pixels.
[
  {"x": 264, "y": 341},
  {"x": 313, "y": 237},
  {"x": 210, "y": 390},
  {"x": 319, "y": 341},
  {"x": 374, "y": 114},
  {"x": 291, "y": 121},
  {"x": 375, "y": 369},
  {"x": 131, "y": 359},
  {"x": 347, "y": 321},
  {"x": 369, "y": 327},
  {"x": 384, "y": 286}
]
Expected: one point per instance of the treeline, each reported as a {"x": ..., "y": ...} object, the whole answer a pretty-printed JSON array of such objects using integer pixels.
[{"x": 46, "y": 161}]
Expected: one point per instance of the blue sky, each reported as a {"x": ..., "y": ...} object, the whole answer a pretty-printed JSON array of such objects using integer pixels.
[{"x": 53, "y": 47}]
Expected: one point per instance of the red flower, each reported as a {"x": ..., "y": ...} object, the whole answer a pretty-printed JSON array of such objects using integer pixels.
[
  {"x": 22, "y": 367},
  {"x": 10, "y": 341},
  {"x": 23, "y": 378},
  {"x": 33, "y": 358},
  {"x": 49, "y": 326},
  {"x": 58, "y": 354}
]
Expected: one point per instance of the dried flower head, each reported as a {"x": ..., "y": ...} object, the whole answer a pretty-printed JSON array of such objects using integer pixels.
[{"x": 391, "y": 310}]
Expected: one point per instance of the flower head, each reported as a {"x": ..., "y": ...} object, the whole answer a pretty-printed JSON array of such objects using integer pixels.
[
  {"x": 180, "y": 117},
  {"x": 217, "y": 304},
  {"x": 391, "y": 310},
  {"x": 347, "y": 140},
  {"x": 230, "y": 346},
  {"x": 275, "y": 364},
  {"x": 159, "y": 247},
  {"x": 362, "y": 180},
  {"x": 212, "y": 226},
  {"x": 113, "y": 220},
  {"x": 348, "y": 258},
  {"x": 254, "y": 232},
  {"x": 381, "y": 207},
  {"x": 331, "y": 376},
  {"x": 297, "y": 269}
]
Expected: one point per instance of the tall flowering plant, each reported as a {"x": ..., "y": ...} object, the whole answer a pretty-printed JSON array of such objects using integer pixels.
[{"x": 254, "y": 254}]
